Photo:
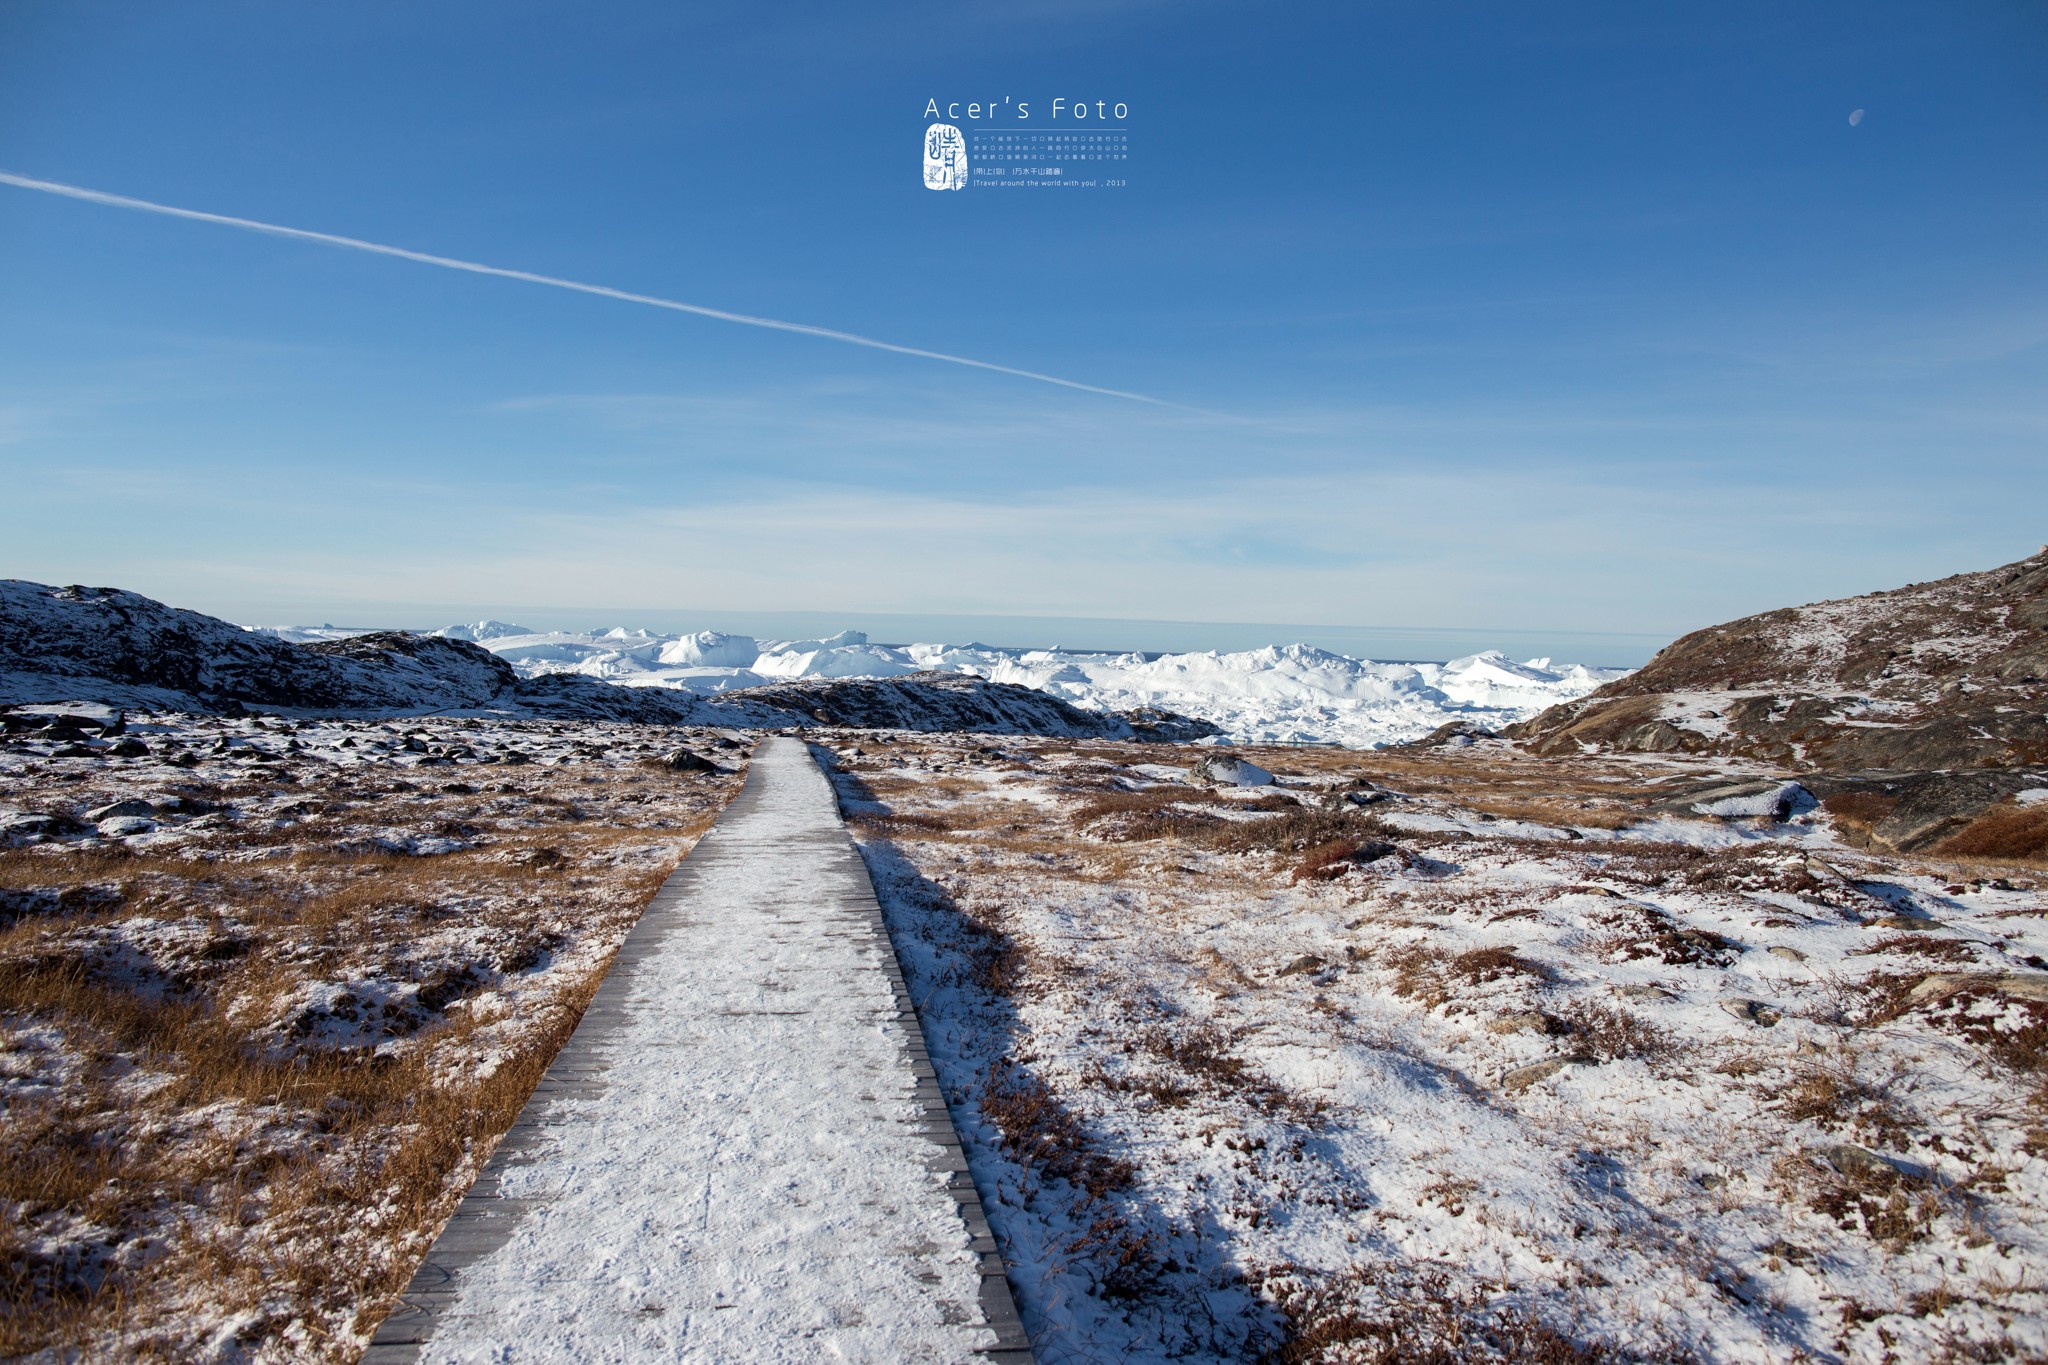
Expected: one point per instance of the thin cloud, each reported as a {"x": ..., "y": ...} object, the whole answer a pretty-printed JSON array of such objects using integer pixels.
[{"x": 122, "y": 201}]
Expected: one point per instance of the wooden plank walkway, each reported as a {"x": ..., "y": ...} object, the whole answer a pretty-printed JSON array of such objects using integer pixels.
[{"x": 742, "y": 1153}]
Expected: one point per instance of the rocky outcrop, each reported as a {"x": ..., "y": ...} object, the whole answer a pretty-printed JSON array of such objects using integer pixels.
[
  {"x": 1453, "y": 734},
  {"x": 1915, "y": 812},
  {"x": 1228, "y": 770},
  {"x": 952, "y": 701},
  {"x": 120, "y": 648},
  {"x": 1937, "y": 675},
  {"x": 1159, "y": 726}
]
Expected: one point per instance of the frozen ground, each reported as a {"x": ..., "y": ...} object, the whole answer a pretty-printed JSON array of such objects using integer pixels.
[
  {"x": 1280, "y": 694},
  {"x": 1462, "y": 1055},
  {"x": 270, "y": 990}
]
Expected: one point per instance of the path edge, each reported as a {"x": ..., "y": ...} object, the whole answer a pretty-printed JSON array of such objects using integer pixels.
[
  {"x": 998, "y": 1300},
  {"x": 487, "y": 1217}
]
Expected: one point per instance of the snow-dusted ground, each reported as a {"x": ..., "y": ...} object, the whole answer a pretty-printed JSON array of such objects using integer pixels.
[
  {"x": 751, "y": 1184},
  {"x": 270, "y": 989},
  {"x": 1251, "y": 1071},
  {"x": 1280, "y": 694}
]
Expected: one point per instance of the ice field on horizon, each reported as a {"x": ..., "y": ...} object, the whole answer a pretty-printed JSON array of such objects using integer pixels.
[{"x": 1279, "y": 694}]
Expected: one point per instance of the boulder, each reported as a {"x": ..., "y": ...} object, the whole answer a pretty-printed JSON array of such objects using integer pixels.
[
  {"x": 1752, "y": 1012},
  {"x": 1769, "y": 800},
  {"x": 1849, "y": 1159},
  {"x": 1455, "y": 734},
  {"x": 24, "y": 827},
  {"x": 132, "y": 806},
  {"x": 685, "y": 761},
  {"x": 2012, "y": 985},
  {"x": 1228, "y": 770}
]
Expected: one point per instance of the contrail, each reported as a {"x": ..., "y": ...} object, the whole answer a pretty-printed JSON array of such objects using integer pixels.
[{"x": 122, "y": 201}]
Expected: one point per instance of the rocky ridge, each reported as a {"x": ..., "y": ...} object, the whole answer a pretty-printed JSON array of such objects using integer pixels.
[
  {"x": 936, "y": 700},
  {"x": 1917, "y": 716},
  {"x": 1948, "y": 674},
  {"x": 121, "y": 649}
]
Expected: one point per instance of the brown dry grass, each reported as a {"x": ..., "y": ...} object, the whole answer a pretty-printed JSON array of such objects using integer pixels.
[
  {"x": 53, "y": 1157},
  {"x": 1833, "y": 1095},
  {"x": 1587, "y": 811},
  {"x": 1434, "y": 977},
  {"x": 193, "y": 1154},
  {"x": 1613, "y": 1034},
  {"x": 1296, "y": 831},
  {"x": 1387, "y": 1314},
  {"x": 2008, "y": 834},
  {"x": 1857, "y": 813}
]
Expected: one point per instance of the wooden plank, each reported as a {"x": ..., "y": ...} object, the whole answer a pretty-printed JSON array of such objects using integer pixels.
[{"x": 823, "y": 960}]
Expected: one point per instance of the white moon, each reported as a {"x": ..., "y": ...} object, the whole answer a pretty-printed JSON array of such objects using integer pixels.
[{"x": 1855, "y": 118}]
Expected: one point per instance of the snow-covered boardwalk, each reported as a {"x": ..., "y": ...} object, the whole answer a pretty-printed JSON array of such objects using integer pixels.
[{"x": 742, "y": 1154}]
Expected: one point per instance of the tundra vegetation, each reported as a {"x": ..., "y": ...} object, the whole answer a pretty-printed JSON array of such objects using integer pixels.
[
  {"x": 270, "y": 991},
  {"x": 1441, "y": 1053},
  {"x": 1456, "y": 1053}
]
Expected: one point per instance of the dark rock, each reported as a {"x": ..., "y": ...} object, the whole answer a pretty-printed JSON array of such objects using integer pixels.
[
  {"x": 1452, "y": 734},
  {"x": 18, "y": 827},
  {"x": 121, "y": 648},
  {"x": 131, "y": 806},
  {"x": 1157, "y": 725},
  {"x": 928, "y": 701},
  {"x": 127, "y": 747},
  {"x": 185, "y": 805},
  {"x": 684, "y": 761},
  {"x": 19, "y": 903}
]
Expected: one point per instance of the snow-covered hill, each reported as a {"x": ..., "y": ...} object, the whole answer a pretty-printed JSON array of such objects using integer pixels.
[
  {"x": 1285, "y": 693},
  {"x": 1935, "y": 675}
]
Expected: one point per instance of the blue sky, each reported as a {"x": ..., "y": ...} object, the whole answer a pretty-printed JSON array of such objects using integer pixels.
[{"x": 1575, "y": 323}]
